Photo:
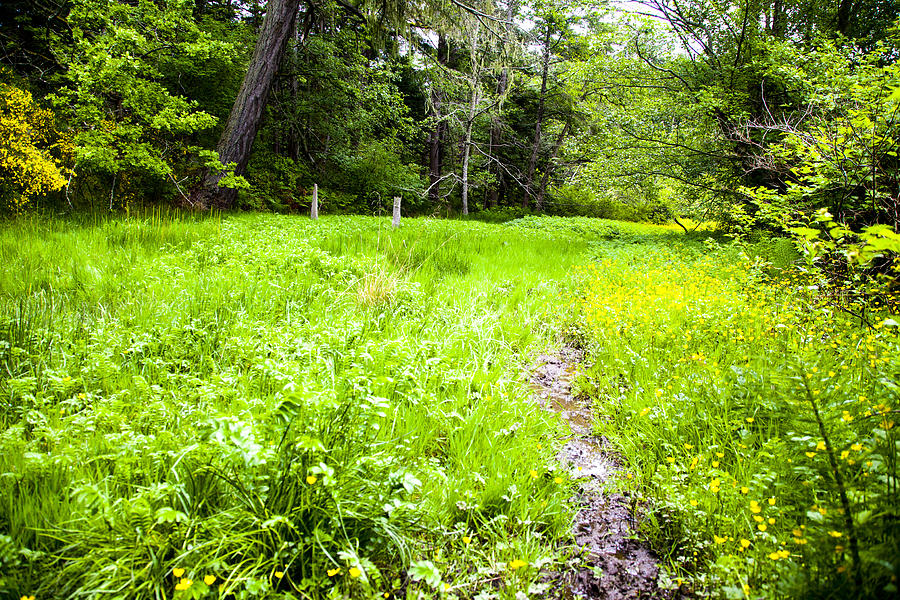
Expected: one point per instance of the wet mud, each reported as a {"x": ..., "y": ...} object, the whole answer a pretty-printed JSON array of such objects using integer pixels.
[{"x": 615, "y": 564}]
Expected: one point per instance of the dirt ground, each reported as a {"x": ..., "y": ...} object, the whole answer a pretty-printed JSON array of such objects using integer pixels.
[{"x": 619, "y": 564}]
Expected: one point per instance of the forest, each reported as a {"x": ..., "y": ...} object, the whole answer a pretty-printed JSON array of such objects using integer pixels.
[{"x": 634, "y": 333}]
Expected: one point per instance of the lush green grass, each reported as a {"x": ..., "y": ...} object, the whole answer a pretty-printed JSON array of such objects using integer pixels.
[
  {"x": 303, "y": 407},
  {"x": 290, "y": 408},
  {"x": 756, "y": 415}
]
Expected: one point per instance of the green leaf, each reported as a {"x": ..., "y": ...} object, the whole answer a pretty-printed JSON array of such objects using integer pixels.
[
  {"x": 425, "y": 570},
  {"x": 806, "y": 232}
]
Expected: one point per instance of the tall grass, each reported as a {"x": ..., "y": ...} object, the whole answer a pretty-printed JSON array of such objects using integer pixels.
[
  {"x": 757, "y": 417},
  {"x": 257, "y": 405}
]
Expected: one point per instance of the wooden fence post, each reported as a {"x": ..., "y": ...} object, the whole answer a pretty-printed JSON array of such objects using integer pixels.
[
  {"x": 396, "y": 222},
  {"x": 314, "y": 208}
]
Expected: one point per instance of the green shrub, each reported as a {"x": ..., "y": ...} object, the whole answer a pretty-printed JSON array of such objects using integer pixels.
[
  {"x": 375, "y": 174},
  {"x": 276, "y": 183}
]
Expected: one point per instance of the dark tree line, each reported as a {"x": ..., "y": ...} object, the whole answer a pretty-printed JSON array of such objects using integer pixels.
[{"x": 460, "y": 106}]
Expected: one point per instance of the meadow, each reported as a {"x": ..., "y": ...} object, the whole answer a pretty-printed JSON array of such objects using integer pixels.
[
  {"x": 259, "y": 405},
  {"x": 250, "y": 406},
  {"x": 756, "y": 407}
]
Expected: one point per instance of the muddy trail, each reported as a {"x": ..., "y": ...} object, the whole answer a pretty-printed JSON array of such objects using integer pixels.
[{"x": 619, "y": 566}]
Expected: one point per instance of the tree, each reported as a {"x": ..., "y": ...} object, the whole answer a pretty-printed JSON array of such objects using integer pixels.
[
  {"x": 439, "y": 127},
  {"x": 554, "y": 33},
  {"x": 720, "y": 81},
  {"x": 246, "y": 114},
  {"x": 503, "y": 81},
  {"x": 125, "y": 123}
]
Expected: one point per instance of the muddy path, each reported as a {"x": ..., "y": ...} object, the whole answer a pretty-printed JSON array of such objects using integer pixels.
[{"x": 618, "y": 565}]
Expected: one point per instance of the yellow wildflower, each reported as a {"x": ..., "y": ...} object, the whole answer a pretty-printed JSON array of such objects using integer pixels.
[{"x": 183, "y": 585}]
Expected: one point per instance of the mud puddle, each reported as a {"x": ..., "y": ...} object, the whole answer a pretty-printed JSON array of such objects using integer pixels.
[{"x": 619, "y": 566}]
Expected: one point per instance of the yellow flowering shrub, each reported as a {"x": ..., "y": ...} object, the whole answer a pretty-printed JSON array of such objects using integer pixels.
[{"x": 28, "y": 167}]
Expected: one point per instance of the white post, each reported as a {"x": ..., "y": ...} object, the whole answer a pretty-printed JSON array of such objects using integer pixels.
[
  {"x": 396, "y": 222},
  {"x": 314, "y": 209}
]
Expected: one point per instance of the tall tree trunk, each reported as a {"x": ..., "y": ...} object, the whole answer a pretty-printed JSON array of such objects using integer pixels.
[
  {"x": 494, "y": 168},
  {"x": 467, "y": 144},
  {"x": 779, "y": 19},
  {"x": 512, "y": 7},
  {"x": 246, "y": 114},
  {"x": 845, "y": 9},
  {"x": 436, "y": 136},
  {"x": 542, "y": 189},
  {"x": 536, "y": 145},
  {"x": 474, "y": 99},
  {"x": 293, "y": 134}
]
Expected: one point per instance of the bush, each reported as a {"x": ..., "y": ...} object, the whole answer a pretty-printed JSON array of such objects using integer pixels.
[
  {"x": 28, "y": 167},
  {"x": 615, "y": 204},
  {"x": 276, "y": 183},
  {"x": 375, "y": 174},
  {"x": 501, "y": 214}
]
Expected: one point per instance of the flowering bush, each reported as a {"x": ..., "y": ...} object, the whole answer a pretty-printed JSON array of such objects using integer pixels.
[{"x": 30, "y": 151}]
